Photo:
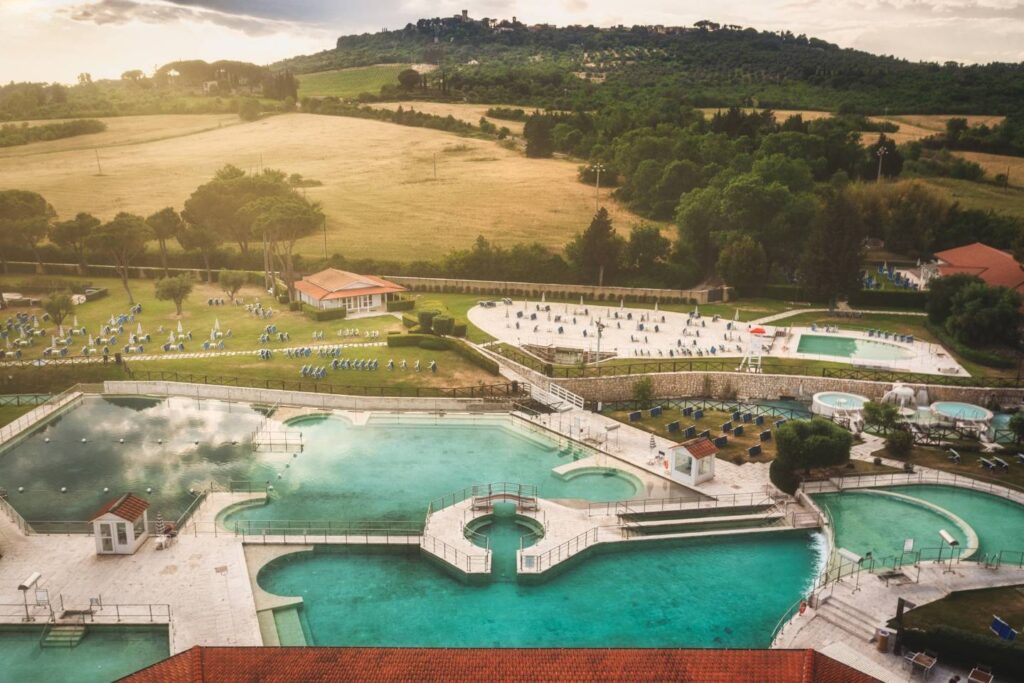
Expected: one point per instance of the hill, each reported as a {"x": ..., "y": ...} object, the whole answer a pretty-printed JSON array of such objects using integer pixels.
[
  {"x": 705, "y": 65},
  {"x": 349, "y": 82}
]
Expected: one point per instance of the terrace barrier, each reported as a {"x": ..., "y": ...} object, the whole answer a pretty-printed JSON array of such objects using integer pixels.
[
  {"x": 536, "y": 563},
  {"x": 922, "y": 476},
  {"x": 469, "y": 563},
  {"x": 372, "y": 532}
]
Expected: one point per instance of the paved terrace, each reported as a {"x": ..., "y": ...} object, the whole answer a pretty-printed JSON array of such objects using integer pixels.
[
  {"x": 201, "y": 578},
  {"x": 665, "y": 335}
]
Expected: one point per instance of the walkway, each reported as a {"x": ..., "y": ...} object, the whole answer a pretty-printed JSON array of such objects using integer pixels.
[{"x": 799, "y": 311}]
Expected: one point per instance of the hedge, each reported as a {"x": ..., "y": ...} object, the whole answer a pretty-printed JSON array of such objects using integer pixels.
[
  {"x": 410, "y": 320},
  {"x": 432, "y": 343},
  {"x": 967, "y": 648},
  {"x": 319, "y": 316},
  {"x": 401, "y": 305},
  {"x": 473, "y": 356},
  {"x": 992, "y": 360},
  {"x": 889, "y": 298},
  {"x": 443, "y": 325},
  {"x": 459, "y": 330}
]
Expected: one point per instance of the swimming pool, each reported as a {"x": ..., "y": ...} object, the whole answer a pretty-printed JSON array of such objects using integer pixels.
[
  {"x": 720, "y": 592},
  {"x": 956, "y": 410},
  {"x": 864, "y": 521},
  {"x": 387, "y": 469},
  {"x": 849, "y": 347}
]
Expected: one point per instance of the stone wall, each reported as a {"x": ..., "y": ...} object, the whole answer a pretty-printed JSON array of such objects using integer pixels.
[
  {"x": 534, "y": 290},
  {"x": 761, "y": 386}
]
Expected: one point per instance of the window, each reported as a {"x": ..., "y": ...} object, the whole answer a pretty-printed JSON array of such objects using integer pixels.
[
  {"x": 122, "y": 533},
  {"x": 106, "y": 541}
]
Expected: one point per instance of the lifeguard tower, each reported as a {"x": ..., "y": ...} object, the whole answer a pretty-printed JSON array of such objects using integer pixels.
[{"x": 121, "y": 526}]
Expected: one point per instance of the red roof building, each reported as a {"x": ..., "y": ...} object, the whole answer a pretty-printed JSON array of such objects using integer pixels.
[
  {"x": 389, "y": 665},
  {"x": 332, "y": 289},
  {"x": 128, "y": 507},
  {"x": 996, "y": 267},
  {"x": 121, "y": 526}
]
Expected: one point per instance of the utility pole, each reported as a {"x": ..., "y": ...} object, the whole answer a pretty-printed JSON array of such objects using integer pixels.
[
  {"x": 882, "y": 151},
  {"x": 597, "y": 186},
  {"x": 99, "y": 169}
]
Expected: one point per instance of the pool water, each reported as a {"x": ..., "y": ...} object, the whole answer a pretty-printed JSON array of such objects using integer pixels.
[
  {"x": 961, "y": 411},
  {"x": 345, "y": 472},
  {"x": 105, "y": 654},
  {"x": 505, "y": 535},
  {"x": 848, "y": 347},
  {"x": 839, "y": 399},
  {"x": 721, "y": 592},
  {"x": 865, "y": 522}
]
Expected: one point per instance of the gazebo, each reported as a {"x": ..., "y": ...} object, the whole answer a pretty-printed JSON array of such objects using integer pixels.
[
  {"x": 693, "y": 461},
  {"x": 121, "y": 525}
]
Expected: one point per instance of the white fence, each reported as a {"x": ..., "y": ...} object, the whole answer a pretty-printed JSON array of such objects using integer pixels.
[{"x": 922, "y": 476}]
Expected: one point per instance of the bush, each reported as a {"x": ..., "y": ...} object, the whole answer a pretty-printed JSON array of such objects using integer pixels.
[
  {"x": 967, "y": 648},
  {"x": 443, "y": 325},
  {"x": 900, "y": 443},
  {"x": 433, "y": 344},
  {"x": 992, "y": 360},
  {"x": 784, "y": 478},
  {"x": 459, "y": 330},
  {"x": 320, "y": 316},
  {"x": 399, "y": 340},
  {"x": 401, "y": 305},
  {"x": 889, "y": 299},
  {"x": 473, "y": 356},
  {"x": 426, "y": 320},
  {"x": 409, "y": 321},
  {"x": 643, "y": 392}
]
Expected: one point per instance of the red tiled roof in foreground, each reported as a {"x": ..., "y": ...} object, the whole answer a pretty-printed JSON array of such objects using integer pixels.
[
  {"x": 129, "y": 507},
  {"x": 701, "y": 447},
  {"x": 997, "y": 268},
  {"x": 373, "y": 665},
  {"x": 340, "y": 284}
]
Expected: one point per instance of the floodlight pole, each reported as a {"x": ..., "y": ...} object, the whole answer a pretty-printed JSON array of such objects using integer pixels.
[{"x": 882, "y": 151}]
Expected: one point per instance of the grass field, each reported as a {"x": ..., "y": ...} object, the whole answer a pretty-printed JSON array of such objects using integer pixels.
[
  {"x": 470, "y": 113},
  {"x": 972, "y": 610},
  {"x": 981, "y": 195},
  {"x": 379, "y": 191},
  {"x": 995, "y": 164},
  {"x": 199, "y": 318},
  {"x": 348, "y": 83}
]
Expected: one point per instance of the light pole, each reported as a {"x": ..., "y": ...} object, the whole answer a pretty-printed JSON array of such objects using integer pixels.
[
  {"x": 598, "y": 169},
  {"x": 882, "y": 151}
]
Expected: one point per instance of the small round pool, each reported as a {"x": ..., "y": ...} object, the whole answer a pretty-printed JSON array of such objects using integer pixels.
[
  {"x": 961, "y": 412},
  {"x": 826, "y": 403}
]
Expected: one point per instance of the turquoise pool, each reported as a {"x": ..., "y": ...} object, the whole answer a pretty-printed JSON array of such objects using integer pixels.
[
  {"x": 105, "y": 654},
  {"x": 867, "y": 522},
  {"x": 721, "y": 592},
  {"x": 848, "y": 347},
  {"x": 379, "y": 471},
  {"x": 960, "y": 411}
]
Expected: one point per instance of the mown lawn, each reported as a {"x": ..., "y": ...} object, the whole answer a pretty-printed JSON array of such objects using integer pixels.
[
  {"x": 9, "y": 414},
  {"x": 972, "y": 610},
  {"x": 970, "y": 464}
]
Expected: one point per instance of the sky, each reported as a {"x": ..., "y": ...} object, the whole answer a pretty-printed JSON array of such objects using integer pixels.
[{"x": 55, "y": 40}]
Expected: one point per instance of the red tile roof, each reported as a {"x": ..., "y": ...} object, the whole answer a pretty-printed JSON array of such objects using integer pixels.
[
  {"x": 701, "y": 447},
  {"x": 340, "y": 284},
  {"x": 129, "y": 507},
  {"x": 387, "y": 665},
  {"x": 997, "y": 268}
]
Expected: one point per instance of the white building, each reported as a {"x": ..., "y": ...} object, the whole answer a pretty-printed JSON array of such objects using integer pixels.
[
  {"x": 693, "y": 461},
  {"x": 121, "y": 526},
  {"x": 333, "y": 289}
]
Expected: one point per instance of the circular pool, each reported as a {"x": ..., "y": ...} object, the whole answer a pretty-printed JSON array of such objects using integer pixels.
[
  {"x": 827, "y": 403},
  {"x": 955, "y": 411}
]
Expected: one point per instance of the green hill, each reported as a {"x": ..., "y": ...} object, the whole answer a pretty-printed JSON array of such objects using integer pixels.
[{"x": 349, "y": 82}]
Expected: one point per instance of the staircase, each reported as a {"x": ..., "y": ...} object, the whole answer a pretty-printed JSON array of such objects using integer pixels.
[
  {"x": 845, "y": 616},
  {"x": 62, "y": 635},
  {"x": 697, "y": 522}
]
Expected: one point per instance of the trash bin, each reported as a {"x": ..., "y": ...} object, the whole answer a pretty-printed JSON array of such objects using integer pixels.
[{"x": 883, "y": 637}]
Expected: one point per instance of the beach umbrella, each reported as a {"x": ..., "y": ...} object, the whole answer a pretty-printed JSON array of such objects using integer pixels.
[
  {"x": 216, "y": 324},
  {"x": 179, "y": 327},
  {"x": 91, "y": 342},
  {"x": 737, "y": 317},
  {"x": 60, "y": 330},
  {"x": 171, "y": 339},
  {"x": 53, "y": 340},
  {"x": 543, "y": 297},
  {"x": 161, "y": 528},
  {"x": 696, "y": 310},
  {"x": 75, "y": 323},
  {"x": 653, "y": 444},
  {"x": 581, "y": 300},
  {"x": 138, "y": 329},
  {"x": 655, "y": 306},
  {"x": 622, "y": 304}
]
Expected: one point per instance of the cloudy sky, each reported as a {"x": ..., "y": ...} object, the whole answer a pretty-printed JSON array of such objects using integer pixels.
[{"x": 54, "y": 40}]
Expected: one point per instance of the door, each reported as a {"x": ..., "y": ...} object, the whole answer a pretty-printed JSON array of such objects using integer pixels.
[{"x": 106, "y": 537}]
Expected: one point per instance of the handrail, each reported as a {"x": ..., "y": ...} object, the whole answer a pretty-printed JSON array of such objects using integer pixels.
[
  {"x": 642, "y": 505},
  {"x": 452, "y": 555},
  {"x": 783, "y": 622},
  {"x": 42, "y": 410},
  {"x": 501, "y": 488},
  {"x": 921, "y": 476},
  {"x": 535, "y": 562}
]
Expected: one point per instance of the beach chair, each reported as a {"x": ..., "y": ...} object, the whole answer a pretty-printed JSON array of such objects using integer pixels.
[{"x": 954, "y": 457}]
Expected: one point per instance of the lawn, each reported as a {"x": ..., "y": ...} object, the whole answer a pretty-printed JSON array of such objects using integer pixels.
[
  {"x": 198, "y": 317},
  {"x": 982, "y": 196},
  {"x": 970, "y": 465},
  {"x": 470, "y": 113},
  {"x": 9, "y": 414},
  {"x": 348, "y": 83},
  {"x": 972, "y": 610},
  {"x": 380, "y": 193}
]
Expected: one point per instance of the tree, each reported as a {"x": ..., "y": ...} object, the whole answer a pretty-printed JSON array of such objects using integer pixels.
[
  {"x": 646, "y": 247},
  {"x": 285, "y": 220},
  {"x": 1017, "y": 426},
  {"x": 900, "y": 443},
  {"x": 231, "y": 281},
  {"x": 409, "y": 78},
  {"x": 122, "y": 240},
  {"x": 59, "y": 306},
  {"x": 941, "y": 291},
  {"x": 884, "y": 417},
  {"x": 982, "y": 316},
  {"x": 596, "y": 252},
  {"x": 742, "y": 264},
  {"x": 891, "y": 159},
  {"x": 24, "y": 222},
  {"x": 834, "y": 247},
  {"x": 165, "y": 224},
  {"x": 174, "y": 289},
  {"x": 133, "y": 76},
  {"x": 806, "y": 444},
  {"x": 248, "y": 109},
  {"x": 74, "y": 235},
  {"x": 537, "y": 131},
  {"x": 201, "y": 238},
  {"x": 643, "y": 392}
]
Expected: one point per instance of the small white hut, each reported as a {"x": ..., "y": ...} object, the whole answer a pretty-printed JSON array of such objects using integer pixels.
[
  {"x": 693, "y": 461},
  {"x": 121, "y": 525}
]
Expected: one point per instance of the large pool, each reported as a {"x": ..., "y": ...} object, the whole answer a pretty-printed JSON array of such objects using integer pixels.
[
  {"x": 721, "y": 592},
  {"x": 849, "y": 347},
  {"x": 383, "y": 470}
]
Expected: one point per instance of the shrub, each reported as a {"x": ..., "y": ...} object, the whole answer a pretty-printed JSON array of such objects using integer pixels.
[
  {"x": 433, "y": 344},
  {"x": 410, "y": 321},
  {"x": 784, "y": 478},
  {"x": 900, "y": 443},
  {"x": 319, "y": 315},
  {"x": 401, "y": 305},
  {"x": 426, "y": 319},
  {"x": 443, "y": 325},
  {"x": 992, "y": 360},
  {"x": 643, "y": 392},
  {"x": 473, "y": 356},
  {"x": 459, "y": 330}
]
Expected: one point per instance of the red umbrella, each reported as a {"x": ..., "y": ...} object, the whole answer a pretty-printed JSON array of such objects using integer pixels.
[{"x": 757, "y": 330}]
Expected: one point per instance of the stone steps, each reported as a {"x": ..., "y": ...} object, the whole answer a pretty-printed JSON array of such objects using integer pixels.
[
  {"x": 854, "y": 622},
  {"x": 63, "y": 635}
]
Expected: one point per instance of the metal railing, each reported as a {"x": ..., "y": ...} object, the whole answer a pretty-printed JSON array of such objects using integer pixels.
[
  {"x": 367, "y": 532},
  {"x": 536, "y": 563},
  {"x": 15, "y": 516},
  {"x": 155, "y": 613},
  {"x": 24, "y": 399},
  {"x": 48, "y": 407},
  {"x": 469, "y": 563},
  {"x": 921, "y": 476},
  {"x": 642, "y": 505},
  {"x": 707, "y": 404},
  {"x": 784, "y": 620},
  {"x": 493, "y": 490}
]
